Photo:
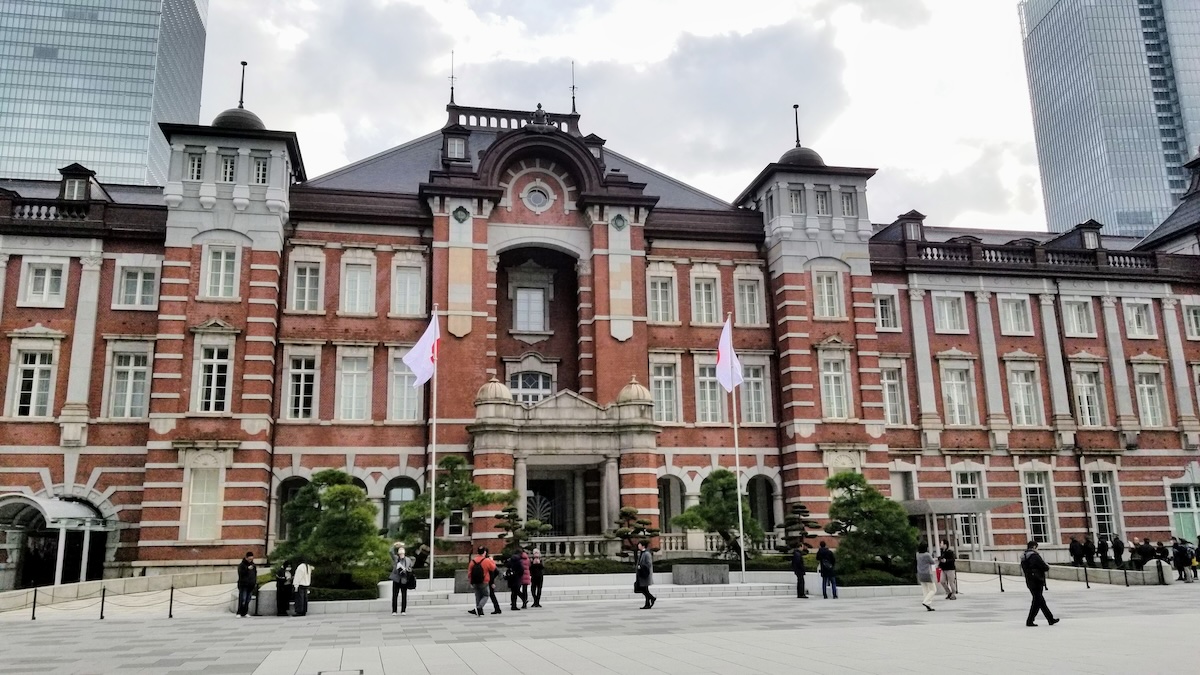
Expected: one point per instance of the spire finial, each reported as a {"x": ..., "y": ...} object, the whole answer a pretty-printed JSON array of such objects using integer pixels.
[
  {"x": 796, "y": 114},
  {"x": 452, "y": 77},
  {"x": 242, "y": 91},
  {"x": 573, "y": 87}
]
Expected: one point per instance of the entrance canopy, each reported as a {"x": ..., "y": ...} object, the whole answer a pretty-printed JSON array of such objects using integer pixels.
[
  {"x": 21, "y": 512},
  {"x": 952, "y": 507}
]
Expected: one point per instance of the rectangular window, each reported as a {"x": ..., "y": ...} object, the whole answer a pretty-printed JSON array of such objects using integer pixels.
[
  {"x": 530, "y": 310},
  {"x": 823, "y": 202},
  {"x": 358, "y": 289},
  {"x": 796, "y": 198},
  {"x": 833, "y": 389},
  {"x": 754, "y": 395},
  {"x": 138, "y": 287},
  {"x": 966, "y": 486},
  {"x": 204, "y": 504},
  {"x": 354, "y": 388},
  {"x": 302, "y": 388},
  {"x": 1037, "y": 505},
  {"x": 228, "y": 168},
  {"x": 704, "y": 300},
  {"x": 1088, "y": 401},
  {"x": 886, "y": 316},
  {"x": 33, "y": 384},
  {"x": 664, "y": 391},
  {"x": 893, "y": 396},
  {"x": 949, "y": 315},
  {"x": 130, "y": 375},
  {"x": 749, "y": 302},
  {"x": 456, "y": 148},
  {"x": 1014, "y": 316},
  {"x": 260, "y": 170},
  {"x": 404, "y": 394},
  {"x": 45, "y": 284},
  {"x": 456, "y": 525},
  {"x": 195, "y": 166},
  {"x": 222, "y": 270},
  {"x": 1185, "y": 511},
  {"x": 75, "y": 189},
  {"x": 1022, "y": 390},
  {"x": 849, "y": 205},
  {"x": 1150, "y": 399},
  {"x": 1103, "y": 504},
  {"x": 1139, "y": 322},
  {"x": 408, "y": 290},
  {"x": 708, "y": 396},
  {"x": 214, "y": 379},
  {"x": 827, "y": 295},
  {"x": 1077, "y": 318},
  {"x": 1191, "y": 321},
  {"x": 662, "y": 299},
  {"x": 306, "y": 287},
  {"x": 956, "y": 391}
]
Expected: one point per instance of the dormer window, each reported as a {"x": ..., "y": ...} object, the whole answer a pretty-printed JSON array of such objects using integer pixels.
[
  {"x": 1091, "y": 240},
  {"x": 75, "y": 189},
  {"x": 456, "y": 148}
]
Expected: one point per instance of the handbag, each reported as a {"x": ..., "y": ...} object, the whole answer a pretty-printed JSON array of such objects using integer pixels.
[{"x": 411, "y": 582}]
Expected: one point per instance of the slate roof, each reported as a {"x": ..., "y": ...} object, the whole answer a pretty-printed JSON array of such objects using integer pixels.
[
  {"x": 403, "y": 168},
  {"x": 144, "y": 195},
  {"x": 1183, "y": 220}
]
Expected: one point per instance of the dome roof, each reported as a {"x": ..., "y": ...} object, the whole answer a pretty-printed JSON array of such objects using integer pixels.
[
  {"x": 239, "y": 118},
  {"x": 634, "y": 393},
  {"x": 494, "y": 390},
  {"x": 801, "y": 156}
]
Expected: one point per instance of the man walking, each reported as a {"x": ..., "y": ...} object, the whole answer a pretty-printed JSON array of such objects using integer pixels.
[
  {"x": 302, "y": 578},
  {"x": 247, "y": 582},
  {"x": 798, "y": 570},
  {"x": 645, "y": 575},
  {"x": 1035, "y": 570},
  {"x": 826, "y": 566},
  {"x": 480, "y": 571}
]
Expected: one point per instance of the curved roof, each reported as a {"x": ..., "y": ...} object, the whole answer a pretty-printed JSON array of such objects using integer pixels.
[{"x": 20, "y": 510}]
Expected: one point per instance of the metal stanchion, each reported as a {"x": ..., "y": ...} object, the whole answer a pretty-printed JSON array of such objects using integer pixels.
[
  {"x": 256, "y": 597},
  {"x": 1086, "y": 583},
  {"x": 998, "y": 574},
  {"x": 1162, "y": 580},
  {"x": 1126, "y": 571},
  {"x": 33, "y": 617},
  {"x": 171, "y": 603},
  {"x": 103, "y": 593}
]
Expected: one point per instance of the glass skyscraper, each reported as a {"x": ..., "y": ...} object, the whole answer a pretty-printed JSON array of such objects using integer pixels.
[
  {"x": 1115, "y": 88},
  {"x": 88, "y": 81}
]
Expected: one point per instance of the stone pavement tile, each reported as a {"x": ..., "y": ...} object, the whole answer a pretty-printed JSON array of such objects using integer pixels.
[
  {"x": 401, "y": 660},
  {"x": 522, "y": 658},
  {"x": 320, "y": 659},
  {"x": 481, "y": 659},
  {"x": 439, "y": 658},
  {"x": 555, "y": 651},
  {"x": 284, "y": 662},
  {"x": 362, "y": 658}
]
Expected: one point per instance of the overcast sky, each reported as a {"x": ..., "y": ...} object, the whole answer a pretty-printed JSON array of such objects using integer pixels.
[{"x": 930, "y": 92}]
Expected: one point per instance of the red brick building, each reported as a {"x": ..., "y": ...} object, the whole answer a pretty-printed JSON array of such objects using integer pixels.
[{"x": 181, "y": 360}]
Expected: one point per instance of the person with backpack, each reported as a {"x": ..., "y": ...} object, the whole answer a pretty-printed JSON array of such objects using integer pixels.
[
  {"x": 537, "y": 575},
  {"x": 798, "y": 570},
  {"x": 1035, "y": 570},
  {"x": 826, "y": 566},
  {"x": 480, "y": 571},
  {"x": 644, "y": 576}
]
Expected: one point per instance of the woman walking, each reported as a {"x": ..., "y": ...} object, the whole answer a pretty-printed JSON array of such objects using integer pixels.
[
  {"x": 537, "y": 573},
  {"x": 401, "y": 577},
  {"x": 925, "y": 566}
]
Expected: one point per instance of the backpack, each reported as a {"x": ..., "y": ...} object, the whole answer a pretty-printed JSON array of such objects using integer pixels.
[{"x": 476, "y": 573}]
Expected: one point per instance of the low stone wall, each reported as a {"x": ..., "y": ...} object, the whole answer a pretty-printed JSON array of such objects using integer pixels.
[
  {"x": 1147, "y": 577},
  {"x": 51, "y": 595},
  {"x": 694, "y": 575}
]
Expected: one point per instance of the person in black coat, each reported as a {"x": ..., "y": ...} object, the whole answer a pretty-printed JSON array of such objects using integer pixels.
[
  {"x": 1035, "y": 570},
  {"x": 827, "y": 566},
  {"x": 1118, "y": 550},
  {"x": 537, "y": 576},
  {"x": 1076, "y": 551},
  {"x": 1102, "y": 551},
  {"x": 1183, "y": 560},
  {"x": 247, "y": 582},
  {"x": 283, "y": 589},
  {"x": 1089, "y": 551},
  {"x": 798, "y": 570}
]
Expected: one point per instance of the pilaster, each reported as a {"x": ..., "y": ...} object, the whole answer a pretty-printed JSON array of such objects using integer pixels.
[
  {"x": 993, "y": 389},
  {"x": 1189, "y": 425},
  {"x": 931, "y": 424},
  {"x": 1060, "y": 404}
]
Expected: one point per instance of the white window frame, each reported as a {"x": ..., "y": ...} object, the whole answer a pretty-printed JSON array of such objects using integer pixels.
[
  {"x": 675, "y": 416},
  {"x": 122, "y": 269},
  {"x": 525, "y": 277},
  {"x": 709, "y": 273},
  {"x": 821, "y": 311},
  {"x": 300, "y": 351},
  {"x": 1191, "y": 320},
  {"x": 214, "y": 341},
  {"x": 1014, "y": 308},
  {"x": 75, "y": 189},
  {"x": 1037, "y": 409},
  {"x": 972, "y": 400},
  {"x": 749, "y": 362},
  {"x": 193, "y": 169},
  {"x": 796, "y": 198},
  {"x": 849, "y": 198},
  {"x": 899, "y": 366},
  {"x": 399, "y": 389},
  {"x": 662, "y": 272},
  {"x": 1159, "y": 392},
  {"x": 189, "y": 524},
  {"x": 1130, "y": 305},
  {"x": 262, "y": 171},
  {"x": 1091, "y": 369},
  {"x": 305, "y": 256},
  {"x": 531, "y": 395},
  {"x": 1095, "y": 471},
  {"x": 824, "y": 205},
  {"x": 893, "y": 297},
  {"x": 406, "y": 264},
  {"x": 360, "y": 258},
  {"x": 459, "y": 529},
  {"x": 744, "y": 316},
  {"x": 940, "y": 324},
  {"x": 228, "y": 169},
  {"x": 721, "y": 404},
  {"x": 1070, "y": 327},
  {"x": 339, "y": 400},
  {"x": 1027, "y": 485},
  {"x": 206, "y": 288},
  {"x": 456, "y": 148},
  {"x": 20, "y": 347},
  {"x": 29, "y": 263},
  {"x": 113, "y": 349},
  {"x": 962, "y": 487}
]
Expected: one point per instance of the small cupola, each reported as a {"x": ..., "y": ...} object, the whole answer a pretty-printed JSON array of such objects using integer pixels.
[
  {"x": 239, "y": 117},
  {"x": 912, "y": 226},
  {"x": 455, "y": 145}
]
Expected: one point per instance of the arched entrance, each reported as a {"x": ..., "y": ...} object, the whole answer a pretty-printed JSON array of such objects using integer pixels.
[
  {"x": 59, "y": 540},
  {"x": 287, "y": 492}
]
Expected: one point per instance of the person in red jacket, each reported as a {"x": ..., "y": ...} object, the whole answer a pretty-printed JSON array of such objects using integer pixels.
[{"x": 480, "y": 572}]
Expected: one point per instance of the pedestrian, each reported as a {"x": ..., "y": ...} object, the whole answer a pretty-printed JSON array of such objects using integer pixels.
[
  {"x": 644, "y": 577},
  {"x": 1035, "y": 570},
  {"x": 1145, "y": 553},
  {"x": 1118, "y": 551},
  {"x": 1102, "y": 551},
  {"x": 949, "y": 568},
  {"x": 798, "y": 570},
  {"x": 517, "y": 574},
  {"x": 246, "y": 583},
  {"x": 1162, "y": 552},
  {"x": 1195, "y": 564},
  {"x": 480, "y": 571},
  {"x": 537, "y": 575},
  {"x": 1089, "y": 551},
  {"x": 827, "y": 566},
  {"x": 1182, "y": 558},
  {"x": 302, "y": 578},
  {"x": 283, "y": 589},
  {"x": 925, "y": 566},
  {"x": 402, "y": 577},
  {"x": 1076, "y": 551},
  {"x": 492, "y": 582}
]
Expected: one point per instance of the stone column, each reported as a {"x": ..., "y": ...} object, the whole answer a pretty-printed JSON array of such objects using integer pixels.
[
  {"x": 997, "y": 420},
  {"x": 1179, "y": 375},
  {"x": 694, "y": 538},
  {"x": 1126, "y": 419},
  {"x": 62, "y": 549},
  {"x": 87, "y": 544},
  {"x": 380, "y": 513},
  {"x": 1060, "y": 403},
  {"x": 521, "y": 483},
  {"x": 777, "y": 508},
  {"x": 612, "y": 492},
  {"x": 73, "y": 421},
  {"x": 579, "y": 503},
  {"x": 931, "y": 424}
]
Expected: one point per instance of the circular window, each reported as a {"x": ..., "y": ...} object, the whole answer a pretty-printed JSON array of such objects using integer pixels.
[{"x": 537, "y": 198}]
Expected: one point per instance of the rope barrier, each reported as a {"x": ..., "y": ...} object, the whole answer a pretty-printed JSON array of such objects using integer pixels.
[
  {"x": 202, "y": 604},
  {"x": 205, "y": 595},
  {"x": 59, "y": 608}
]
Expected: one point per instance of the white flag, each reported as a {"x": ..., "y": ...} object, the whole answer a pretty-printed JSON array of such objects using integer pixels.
[
  {"x": 729, "y": 368},
  {"x": 422, "y": 358}
]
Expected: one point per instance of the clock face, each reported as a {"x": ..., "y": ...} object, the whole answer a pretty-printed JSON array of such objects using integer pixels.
[{"x": 619, "y": 222}]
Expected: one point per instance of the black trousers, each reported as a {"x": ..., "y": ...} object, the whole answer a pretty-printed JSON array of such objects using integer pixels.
[
  {"x": 401, "y": 590},
  {"x": 536, "y": 588},
  {"x": 1039, "y": 603},
  {"x": 1104, "y": 560},
  {"x": 301, "y": 600},
  {"x": 518, "y": 591},
  {"x": 645, "y": 591},
  {"x": 800, "y": 586},
  {"x": 492, "y": 593}
]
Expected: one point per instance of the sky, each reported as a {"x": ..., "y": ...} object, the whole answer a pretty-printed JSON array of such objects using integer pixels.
[{"x": 932, "y": 93}]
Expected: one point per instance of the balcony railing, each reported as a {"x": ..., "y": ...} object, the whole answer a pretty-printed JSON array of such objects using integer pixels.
[
  {"x": 49, "y": 210},
  {"x": 958, "y": 254},
  {"x": 573, "y": 547}
]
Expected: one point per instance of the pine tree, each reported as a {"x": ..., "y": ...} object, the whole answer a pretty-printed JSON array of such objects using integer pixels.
[
  {"x": 631, "y": 529},
  {"x": 796, "y": 530}
]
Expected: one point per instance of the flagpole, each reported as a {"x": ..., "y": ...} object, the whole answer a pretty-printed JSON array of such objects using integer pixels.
[
  {"x": 433, "y": 461},
  {"x": 737, "y": 463}
]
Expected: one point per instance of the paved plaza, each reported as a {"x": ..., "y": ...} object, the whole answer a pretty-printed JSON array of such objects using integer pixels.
[{"x": 1105, "y": 629}]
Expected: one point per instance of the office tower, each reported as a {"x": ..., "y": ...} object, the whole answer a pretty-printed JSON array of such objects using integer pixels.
[
  {"x": 88, "y": 81},
  {"x": 1115, "y": 88}
]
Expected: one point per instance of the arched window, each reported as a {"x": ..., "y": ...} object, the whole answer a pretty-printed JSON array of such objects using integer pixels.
[
  {"x": 287, "y": 492},
  {"x": 400, "y": 491},
  {"x": 530, "y": 386},
  {"x": 762, "y": 507},
  {"x": 670, "y": 502}
]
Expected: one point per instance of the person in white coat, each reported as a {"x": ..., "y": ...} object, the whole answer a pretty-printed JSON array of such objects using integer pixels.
[{"x": 302, "y": 579}]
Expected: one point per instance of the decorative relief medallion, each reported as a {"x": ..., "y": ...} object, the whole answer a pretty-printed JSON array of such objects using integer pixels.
[
  {"x": 461, "y": 214},
  {"x": 619, "y": 222}
]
